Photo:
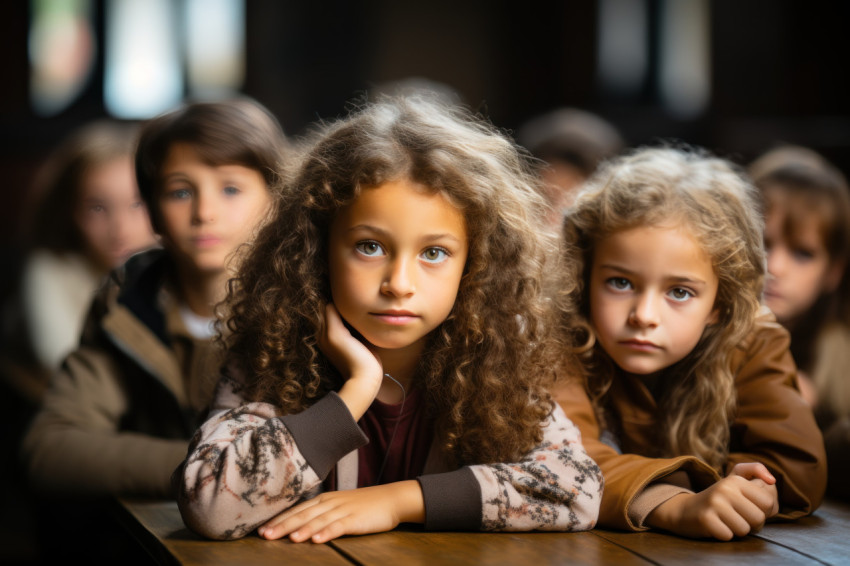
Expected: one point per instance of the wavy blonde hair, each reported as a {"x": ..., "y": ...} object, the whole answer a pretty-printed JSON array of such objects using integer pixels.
[
  {"x": 487, "y": 368},
  {"x": 709, "y": 196}
]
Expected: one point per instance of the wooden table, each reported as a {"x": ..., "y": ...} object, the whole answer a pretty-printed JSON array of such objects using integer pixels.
[{"x": 823, "y": 538}]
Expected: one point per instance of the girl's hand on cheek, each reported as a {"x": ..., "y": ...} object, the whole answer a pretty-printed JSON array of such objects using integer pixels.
[
  {"x": 351, "y": 512},
  {"x": 361, "y": 368}
]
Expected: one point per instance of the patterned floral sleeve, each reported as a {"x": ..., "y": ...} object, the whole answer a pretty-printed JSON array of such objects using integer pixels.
[
  {"x": 556, "y": 487},
  {"x": 244, "y": 465}
]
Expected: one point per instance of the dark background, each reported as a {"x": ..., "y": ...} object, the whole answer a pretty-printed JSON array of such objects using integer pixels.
[{"x": 779, "y": 73}]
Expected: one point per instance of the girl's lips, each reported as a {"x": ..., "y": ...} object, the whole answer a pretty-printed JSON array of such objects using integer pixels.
[
  {"x": 641, "y": 345},
  {"x": 771, "y": 294},
  {"x": 206, "y": 241},
  {"x": 395, "y": 317}
]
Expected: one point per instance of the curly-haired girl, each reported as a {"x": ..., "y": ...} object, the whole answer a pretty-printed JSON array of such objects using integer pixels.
[
  {"x": 696, "y": 419},
  {"x": 389, "y": 349}
]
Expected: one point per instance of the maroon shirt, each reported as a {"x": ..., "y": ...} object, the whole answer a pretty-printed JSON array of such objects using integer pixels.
[{"x": 403, "y": 455}]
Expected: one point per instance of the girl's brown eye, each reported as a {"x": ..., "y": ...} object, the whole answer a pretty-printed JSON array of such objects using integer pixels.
[
  {"x": 435, "y": 255},
  {"x": 680, "y": 294},
  {"x": 368, "y": 248}
]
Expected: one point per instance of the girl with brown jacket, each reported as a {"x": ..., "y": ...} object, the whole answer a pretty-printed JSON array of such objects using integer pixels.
[{"x": 690, "y": 403}]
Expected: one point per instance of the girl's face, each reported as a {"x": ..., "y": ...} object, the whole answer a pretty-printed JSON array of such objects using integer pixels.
[
  {"x": 652, "y": 292},
  {"x": 208, "y": 211},
  {"x": 110, "y": 214},
  {"x": 396, "y": 259},
  {"x": 798, "y": 265}
]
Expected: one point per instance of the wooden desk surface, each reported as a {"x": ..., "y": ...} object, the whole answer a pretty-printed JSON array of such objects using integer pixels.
[{"x": 823, "y": 538}]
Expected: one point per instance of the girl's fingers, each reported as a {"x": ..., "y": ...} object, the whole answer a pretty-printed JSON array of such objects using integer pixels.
[
  {"x": 753, "y": 514},
  {"x": 734, "y": 522},
  {"x": 291, "y": 519},
  {"x": 318, "y": 518},
  {"x": 332, "y": 317},
  {"x": 754, "y": 470},
  {"x": 763, "y": 495},
  {"x": 760, "y": 495},
  {"x": 321, "y": 527},
  {"x": 330, "y": 532},
  {"x": 719, "y": 529}
]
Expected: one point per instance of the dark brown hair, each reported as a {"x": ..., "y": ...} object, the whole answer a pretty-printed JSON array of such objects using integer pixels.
[{"x": 232, "y": 132}]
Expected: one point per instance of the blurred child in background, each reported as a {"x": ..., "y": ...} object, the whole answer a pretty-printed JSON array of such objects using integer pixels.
[
  {"x": 118, "y": 416},
  {"x": 90, "y": 219},
  {"x": 807, "y": 240},
  {"x": 572, "y": 143}
]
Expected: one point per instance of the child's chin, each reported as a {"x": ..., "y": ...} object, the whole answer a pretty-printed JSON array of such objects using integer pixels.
[
  {"x": 380, "y": 343},
  {"x": 639, "y": 370}
]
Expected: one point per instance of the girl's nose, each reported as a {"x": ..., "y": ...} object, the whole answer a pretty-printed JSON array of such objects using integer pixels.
[
  {"x": 645, "y": 312},
  {"x": 119, "y": 221},
  {"x": 205, "y": 209},
  {"x": 399, "y": 281},
  {"x": 777, "y": 261}
]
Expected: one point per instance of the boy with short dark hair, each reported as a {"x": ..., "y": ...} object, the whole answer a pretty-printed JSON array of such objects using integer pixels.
[{"x": 119, "y": 413}]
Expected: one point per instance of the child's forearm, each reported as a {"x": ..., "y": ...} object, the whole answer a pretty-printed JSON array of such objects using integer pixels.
[
  {"x": 409, "y": 501},
  {"x": 358, "y": 393}
]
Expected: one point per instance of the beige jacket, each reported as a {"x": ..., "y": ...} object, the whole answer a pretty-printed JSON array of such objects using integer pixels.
[{"x": 119, "y": 413}]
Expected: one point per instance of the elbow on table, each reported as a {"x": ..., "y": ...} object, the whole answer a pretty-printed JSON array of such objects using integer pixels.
[
  {"x": 212, "y": 521},
  {"x": 209, "y": 511},
  {"x": 587, "y": 515},
  {"x": 586, "y": 503}
]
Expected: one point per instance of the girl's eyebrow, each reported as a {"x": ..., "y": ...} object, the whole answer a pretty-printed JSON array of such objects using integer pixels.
[
  {"x": 386, "y": 233},
  {"x": 615, "y": 267},
  {"x": 175, "y": 174},
  {"x": 689, "y": 280},
  {"x": 674, "y": 278}
]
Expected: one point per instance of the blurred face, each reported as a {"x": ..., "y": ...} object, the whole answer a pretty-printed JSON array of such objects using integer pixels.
[
  {"x": 798, "y": 265},
  {"x": 110, "y": 214},
  {"x": 652, "y": 292},
  {"x": 561, "y": 182},
  {"x": 396, "y": 259},
  {"x": 208, "y": 211}
]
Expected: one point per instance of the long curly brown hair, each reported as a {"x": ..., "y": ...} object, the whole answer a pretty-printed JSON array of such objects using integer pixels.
[
  {"x": 720, "y": 207},
  {"x": 487, "y": 369}
]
